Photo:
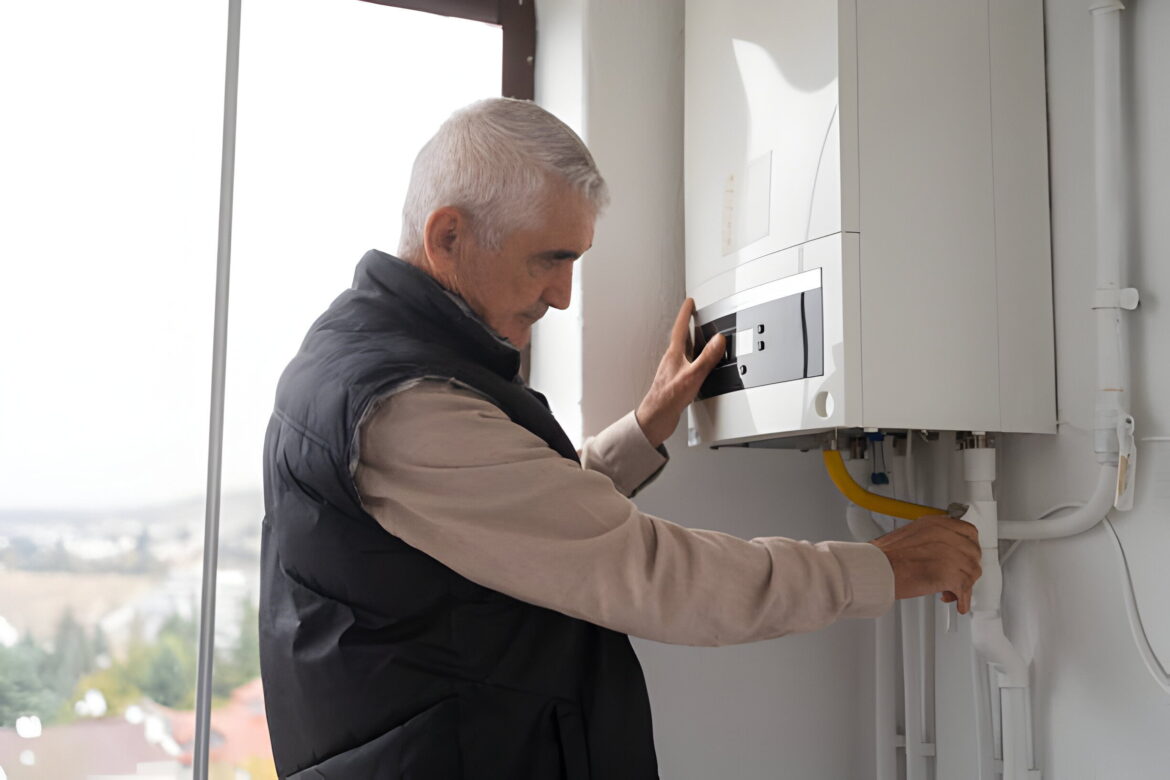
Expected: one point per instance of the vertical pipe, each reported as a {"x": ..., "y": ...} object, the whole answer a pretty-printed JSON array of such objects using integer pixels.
[
  {"x": 913, "y": 643},
  {"x": 886, "y": 715},
  {"x": 926, "y": 649},
  {"x": 926, "y": 654},
  {"x": 218, "y": 377},
  {"x": 1112, "y": 344},
  {"x": 864, "y": 527},
  {"x": 1015, "y": 749},
  {"x": 984, "y": 727},
  {"x": 916, "y": 759}
]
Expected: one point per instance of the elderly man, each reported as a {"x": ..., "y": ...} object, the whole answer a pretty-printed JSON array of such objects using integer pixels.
[{"x": 447, "y": 584}]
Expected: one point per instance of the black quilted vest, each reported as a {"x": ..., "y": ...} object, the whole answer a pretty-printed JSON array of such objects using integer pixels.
[{"x": 379, "y": 661}]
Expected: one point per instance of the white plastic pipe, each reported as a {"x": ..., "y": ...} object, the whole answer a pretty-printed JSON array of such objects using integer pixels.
[
  {"x": 917, "y": 760},
  {"x": 987, "y": 632},
  {"x": 993, "y": 645},
  {"x": 924, "y": 690},
  {"x": 986, "y": 596},
  {"x": 927, "y": 655},
  {"x": 861, "y": 523},
  {"x": 885, "y": 703},
  {"x": 864, "y": 528},
  {"x": 984, "y": 738},
  {"x": 1015, "y": 746},
  {"x": 1077, "y": 521},
  {"x": 1112, "y": 341}
]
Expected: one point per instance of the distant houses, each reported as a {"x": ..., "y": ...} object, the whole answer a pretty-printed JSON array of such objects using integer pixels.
[{"x": 147, "y": 742}]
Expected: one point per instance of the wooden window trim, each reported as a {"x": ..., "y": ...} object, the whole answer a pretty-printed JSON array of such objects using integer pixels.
[{"x": 517, "y": 18}]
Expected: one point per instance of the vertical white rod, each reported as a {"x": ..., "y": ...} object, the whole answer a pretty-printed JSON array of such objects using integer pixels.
[
  {"x": 926, "y": 649},
  {"x": 1015, "y": 750},
  {"x": 926, "y": 655},
  {"x": 1107, "y": 155},
  {"x": 916, "y": 760},
  {"x": 227, "y": 174},
  {"x": 886, "y": 715},
  {"x": 985, "y": 741}
]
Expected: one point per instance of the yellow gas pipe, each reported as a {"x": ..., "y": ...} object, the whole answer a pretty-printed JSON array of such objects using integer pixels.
[{"x": 891, "y": 507}]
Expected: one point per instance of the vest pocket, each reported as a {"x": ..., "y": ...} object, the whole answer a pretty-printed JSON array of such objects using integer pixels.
[{"x": 423, "y": 748}]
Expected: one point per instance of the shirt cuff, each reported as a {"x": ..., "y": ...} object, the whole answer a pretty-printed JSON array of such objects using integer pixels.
[
  {"x": 869, "y": 576},
  {"x": 624, "y": 454}
]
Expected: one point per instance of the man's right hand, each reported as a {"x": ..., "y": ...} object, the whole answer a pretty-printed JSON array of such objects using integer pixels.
[
  {"x": 934, "y": 554},
  {"x": 677, "y": 380}
]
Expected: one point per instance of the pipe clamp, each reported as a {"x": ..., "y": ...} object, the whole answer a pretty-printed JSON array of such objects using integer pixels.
[{"x": 1110, "y": 298}]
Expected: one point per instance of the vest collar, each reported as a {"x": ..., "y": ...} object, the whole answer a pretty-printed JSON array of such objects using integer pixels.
[{"x": 437, "y": 307}]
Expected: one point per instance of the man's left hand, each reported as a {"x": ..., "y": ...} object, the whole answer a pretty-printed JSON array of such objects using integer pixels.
[{"x": 678, "y": 378}]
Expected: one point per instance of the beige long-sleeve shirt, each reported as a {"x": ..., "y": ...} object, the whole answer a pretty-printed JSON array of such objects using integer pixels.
[{"x": 447, "y": 472}]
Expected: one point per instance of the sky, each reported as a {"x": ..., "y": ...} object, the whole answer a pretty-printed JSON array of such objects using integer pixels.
[{"x": 109, "y": 193}]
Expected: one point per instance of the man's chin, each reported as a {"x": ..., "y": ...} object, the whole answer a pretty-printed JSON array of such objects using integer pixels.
[
  {"x": 521, "y": 339},
  {"x": 522, "y": 333}
]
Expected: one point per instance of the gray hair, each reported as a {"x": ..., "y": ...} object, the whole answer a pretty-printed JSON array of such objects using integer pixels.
[{"x": 494, "y": 160}]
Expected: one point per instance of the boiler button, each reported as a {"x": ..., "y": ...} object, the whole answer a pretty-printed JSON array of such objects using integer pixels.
[
  {"x": 759, "y": 328},
  {"x": 759, "y": 346},
  {"x": 742, "y": 370}
]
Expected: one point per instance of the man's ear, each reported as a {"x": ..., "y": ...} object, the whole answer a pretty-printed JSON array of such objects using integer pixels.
[{"x": 444, "y": 235}]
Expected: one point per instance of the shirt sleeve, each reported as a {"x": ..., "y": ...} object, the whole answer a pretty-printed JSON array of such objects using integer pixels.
[
  {"x": 448, "y": 473},
  {"x": 624, "y": 454}
]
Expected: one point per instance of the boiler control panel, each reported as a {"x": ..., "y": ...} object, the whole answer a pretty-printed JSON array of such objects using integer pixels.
[{"x": 774, "y": 333}]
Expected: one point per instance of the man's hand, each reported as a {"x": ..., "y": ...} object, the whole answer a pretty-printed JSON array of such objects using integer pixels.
[
  {"x": 678, "y": 379},
  {"x": 932, "y": 554}
]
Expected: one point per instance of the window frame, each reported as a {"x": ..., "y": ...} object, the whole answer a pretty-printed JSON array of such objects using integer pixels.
[{"x": 517, "y": 19}]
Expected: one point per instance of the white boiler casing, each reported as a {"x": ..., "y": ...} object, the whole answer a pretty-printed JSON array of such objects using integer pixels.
[{"x": 867, "y": 216}]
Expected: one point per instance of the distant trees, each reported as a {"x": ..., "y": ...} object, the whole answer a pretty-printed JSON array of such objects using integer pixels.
[
  {"x": 23, "y": 689},
  {"x": 164, "y": 669},
  {"x": 35, "y": 680},
  {"x": 240, "y": 664},
  {"x": 46, "y": 682},
  {"x": 71, "y": 657}
]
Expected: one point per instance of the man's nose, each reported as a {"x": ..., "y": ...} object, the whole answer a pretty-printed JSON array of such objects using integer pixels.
[{"x": 560, "y": 291}]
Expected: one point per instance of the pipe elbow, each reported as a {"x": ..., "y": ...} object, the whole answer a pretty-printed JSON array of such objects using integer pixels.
[
  {"x": 993, "y": 645},
  {"x": 1075, "y": 522}
]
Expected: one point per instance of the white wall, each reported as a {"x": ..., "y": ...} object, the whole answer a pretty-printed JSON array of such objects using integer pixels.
[
  {"x": 1098, "y": 714},
  {"x": 800, "y": 706}
]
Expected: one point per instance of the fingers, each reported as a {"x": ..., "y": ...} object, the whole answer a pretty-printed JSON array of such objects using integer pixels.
[
  {"x": 709, "y": 358},
  {"x": 935, "y": 554},
  {"x": 961, "y": 527},
  {"x": 682, "y": 326},
  {"x": 967, "y": 582},
  {"x": 964, "y": 528}
]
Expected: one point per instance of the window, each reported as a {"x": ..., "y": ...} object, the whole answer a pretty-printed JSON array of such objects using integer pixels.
[{"x": 109, "y": 195}]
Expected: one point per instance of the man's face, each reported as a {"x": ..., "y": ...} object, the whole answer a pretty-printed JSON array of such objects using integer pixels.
[{"x": 512, "y": 287}]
